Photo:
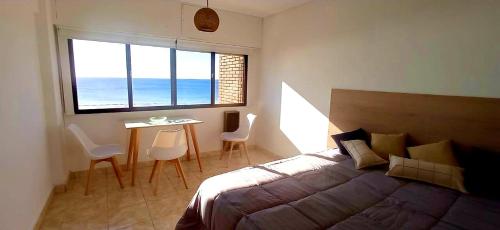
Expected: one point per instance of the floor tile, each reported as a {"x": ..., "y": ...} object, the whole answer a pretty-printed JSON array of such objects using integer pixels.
[
  {"x": 108, "y": 206},
  {"x": 136, "y": 216},
  {"x": 128, "y": 197}
]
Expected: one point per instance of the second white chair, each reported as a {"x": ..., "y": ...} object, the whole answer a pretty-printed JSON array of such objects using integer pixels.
[
  {"x": 238, "y": 137},
  {"x": 169, "y": 145}
]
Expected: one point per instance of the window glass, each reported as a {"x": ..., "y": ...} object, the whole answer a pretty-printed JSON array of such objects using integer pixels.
[
  {"x": 100, "y": 74},
  {"x": 229, "y": 79},
  {"x": 193, "y": 78},
  {"x": 150, "y": 76}
]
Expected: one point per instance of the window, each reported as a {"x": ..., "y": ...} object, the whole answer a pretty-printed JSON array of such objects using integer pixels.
[
  {"x": 114, "y": 77},
  {"x": 101, "y": 80},
  {"x": 194, "y": 78},
  {"x": 150, "y": 68},
  {"x": 230, "y": 79}
]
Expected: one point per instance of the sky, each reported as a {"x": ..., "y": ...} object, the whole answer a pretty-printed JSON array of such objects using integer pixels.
[{"x": 103, "y": 59}]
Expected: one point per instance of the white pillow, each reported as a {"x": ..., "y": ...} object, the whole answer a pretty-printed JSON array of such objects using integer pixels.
[{"x": 362, "y": 154}]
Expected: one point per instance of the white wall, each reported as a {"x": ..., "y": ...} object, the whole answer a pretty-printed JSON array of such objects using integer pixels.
[
  {"x": 25, "y": 168},
  {"x": 52, "y": 92},
  {"x": 109, "y": 128},
  {"x": 234, "y": 28},
  {"x": 159, "y": 18},
  {"x": 447, "y": 47},
  {"x": 155, "y": 19}
]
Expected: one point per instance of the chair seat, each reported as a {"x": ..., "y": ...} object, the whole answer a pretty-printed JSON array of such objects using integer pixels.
[
  {"x": 233, "y": 136},
  {"x": 159, "y": 153},
  {"x": 106, "y": 151}
]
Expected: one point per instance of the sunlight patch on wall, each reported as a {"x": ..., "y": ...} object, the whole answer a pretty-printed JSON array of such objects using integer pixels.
[{"x": 304, "y": 125}]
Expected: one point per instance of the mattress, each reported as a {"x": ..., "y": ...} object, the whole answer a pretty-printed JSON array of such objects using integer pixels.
[{"x": 324, "y": 191}]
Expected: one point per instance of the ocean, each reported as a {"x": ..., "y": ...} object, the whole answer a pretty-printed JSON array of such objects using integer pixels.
[{"x": 95, "y": 93}]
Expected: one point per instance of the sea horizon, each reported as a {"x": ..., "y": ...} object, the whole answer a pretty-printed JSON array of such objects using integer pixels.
[{"x": 112, "y": 92}]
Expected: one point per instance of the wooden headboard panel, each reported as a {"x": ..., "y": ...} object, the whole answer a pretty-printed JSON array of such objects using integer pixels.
[{"x": 468, "y": 121}]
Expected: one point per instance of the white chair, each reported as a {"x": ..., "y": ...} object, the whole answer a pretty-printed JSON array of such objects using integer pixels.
[
  {"x": 169, "y": 145},
  {"x": 97, "y": 153},
  {"x": 238, "y": 137}
]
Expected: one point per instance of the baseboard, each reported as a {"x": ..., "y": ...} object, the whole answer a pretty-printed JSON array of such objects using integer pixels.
[
  {"x": 61, "y": 188},
  {"x": 38, "y": 224},
  {"x": 217, "y": 152},
  {"x": 262, "y": 149}
]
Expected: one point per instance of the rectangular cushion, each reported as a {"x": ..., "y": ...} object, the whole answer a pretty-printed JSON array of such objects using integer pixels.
[
  {"x": 358, "y": 134},
  {"x": 362, "y": 154},
  {"x": 444, "y": 175}
]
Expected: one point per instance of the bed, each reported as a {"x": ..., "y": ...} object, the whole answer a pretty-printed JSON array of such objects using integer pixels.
[{"x": 323, "y": 190}]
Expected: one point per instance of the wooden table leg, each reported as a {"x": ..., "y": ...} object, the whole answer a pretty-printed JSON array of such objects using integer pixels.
[
  {"x": 195, "y": 144},
  {"x": 136, "y": 155},
  {"x": 131, "y": 145},
  {"x": 186, "y": 129}
]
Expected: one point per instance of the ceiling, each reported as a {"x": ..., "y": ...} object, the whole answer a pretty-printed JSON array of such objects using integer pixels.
[{"x": 260, "y": 8}]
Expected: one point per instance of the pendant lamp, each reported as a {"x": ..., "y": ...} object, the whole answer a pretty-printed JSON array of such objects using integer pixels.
[{"x": 206, "y": 19}]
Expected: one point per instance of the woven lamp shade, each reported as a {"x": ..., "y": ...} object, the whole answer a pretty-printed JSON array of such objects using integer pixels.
[{"x": 206, "y": 20}]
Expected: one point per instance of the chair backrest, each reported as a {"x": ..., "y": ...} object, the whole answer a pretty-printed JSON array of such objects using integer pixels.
[
  {"x": 170, "y": 143},
  {"x": 170, "y": 138},
  {"x": 84, "y": 140},
  {"x": 245, "y": 132}
]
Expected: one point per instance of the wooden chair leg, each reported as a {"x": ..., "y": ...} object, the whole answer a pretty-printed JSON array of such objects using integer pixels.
[
  {"x": 230, "y": 153},
  {"x": 224, "y": 146},
  {"x": 153, "y": 171},
  {"x": 246, "y": 151},
  {"x": 178, "y": 165},
  {"x": 158, "y": 171},
  {"x": 116, "y": 168},
  {"x": 240, "y": 148},
  {"x": 89, "y": 175},
  {"x": 177, "y": 169}
]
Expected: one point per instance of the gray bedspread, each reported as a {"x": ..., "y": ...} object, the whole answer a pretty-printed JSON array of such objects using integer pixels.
[{"x": 324, "y": 191}]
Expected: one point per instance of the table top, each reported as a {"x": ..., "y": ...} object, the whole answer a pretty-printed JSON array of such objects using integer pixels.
[{"x": 147, "y": 122}]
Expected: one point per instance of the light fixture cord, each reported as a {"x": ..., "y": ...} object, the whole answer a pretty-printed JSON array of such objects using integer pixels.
[{"x": 207, "y": 3}]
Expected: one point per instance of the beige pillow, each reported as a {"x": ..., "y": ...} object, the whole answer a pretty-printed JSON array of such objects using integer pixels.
[
  {"x": 362, "y": 154},
  {"x": 385, "y": 144},
  {"x": 441, "y": 153},
  {"x": 440, "y": 174}
]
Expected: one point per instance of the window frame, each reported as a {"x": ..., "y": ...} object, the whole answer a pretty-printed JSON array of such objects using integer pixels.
[{"x": 173, "y": 85}]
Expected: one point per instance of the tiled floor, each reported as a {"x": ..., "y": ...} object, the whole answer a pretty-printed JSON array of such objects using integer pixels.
[{"x": 109, "y": 207}]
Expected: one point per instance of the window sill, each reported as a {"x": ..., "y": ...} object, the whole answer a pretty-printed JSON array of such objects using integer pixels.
[{"x": 155, "y": 108}]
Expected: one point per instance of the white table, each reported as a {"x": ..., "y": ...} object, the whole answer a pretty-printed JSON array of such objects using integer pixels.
[{"x": 135, "y": 127}]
